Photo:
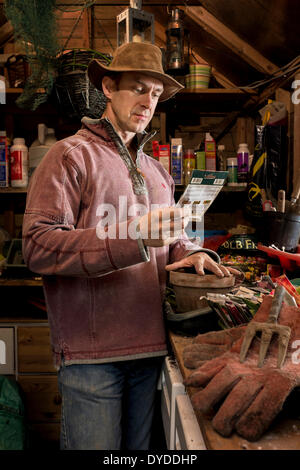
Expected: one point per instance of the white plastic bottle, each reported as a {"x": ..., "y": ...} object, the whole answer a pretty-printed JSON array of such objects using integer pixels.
[{"x": 19, "y": 164}]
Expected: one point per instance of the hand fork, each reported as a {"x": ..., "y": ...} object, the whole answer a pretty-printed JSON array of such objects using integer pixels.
[{"x": 267, "y": 330}]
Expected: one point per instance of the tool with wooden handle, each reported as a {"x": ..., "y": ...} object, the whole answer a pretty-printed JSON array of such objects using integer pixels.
[
  {"x": 266, "y": 203},
  {"x": 281, "y": 201},
  {"x": 296, "y": 191},
  {"x": 268, "y": 329}
]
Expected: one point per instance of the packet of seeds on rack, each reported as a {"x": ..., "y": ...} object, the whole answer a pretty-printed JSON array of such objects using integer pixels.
[{"x": 202, "y": 190}]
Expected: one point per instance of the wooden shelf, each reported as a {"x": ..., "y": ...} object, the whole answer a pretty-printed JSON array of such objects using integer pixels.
[
  {"x": 208, "y": 100},
  {"x": 18, "y": 319},
  {"x": 10, "y": 91},
  {"x": 226, "y": 189},
  {"x": 11, "y": 190},
  {"x": 218, "y": 91},
  {"x": 20, "y": 282},
  {"x": 234, "y": 189}
]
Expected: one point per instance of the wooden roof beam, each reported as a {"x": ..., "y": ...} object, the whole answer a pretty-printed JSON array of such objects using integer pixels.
[
  {"x": 160, "y": 34},
  {"x": 217, "y": 29}
]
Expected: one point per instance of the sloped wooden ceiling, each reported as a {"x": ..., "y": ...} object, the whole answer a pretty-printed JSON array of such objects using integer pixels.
[{"x": 270, "y": 26}]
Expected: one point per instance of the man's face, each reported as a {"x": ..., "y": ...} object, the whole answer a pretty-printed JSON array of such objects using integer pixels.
[{"x": 133, "y": 101}]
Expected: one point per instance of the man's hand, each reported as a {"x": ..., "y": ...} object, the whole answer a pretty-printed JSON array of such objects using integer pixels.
[
  {"x": 163, "y": 226},
  {"x": 202, "y": 261}
]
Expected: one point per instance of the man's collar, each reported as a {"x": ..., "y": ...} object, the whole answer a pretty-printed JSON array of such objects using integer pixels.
[{"x": 139, "y": 139}]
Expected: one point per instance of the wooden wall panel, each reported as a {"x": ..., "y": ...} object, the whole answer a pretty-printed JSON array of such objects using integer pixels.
[
  {"x": 42, "y": 398},
  {"x": 34, "y": 350}
]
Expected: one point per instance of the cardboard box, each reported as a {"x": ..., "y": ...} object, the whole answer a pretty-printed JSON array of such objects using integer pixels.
[
  {"x": 176, "y": 160},
  {"x": 164, "y": 157}
]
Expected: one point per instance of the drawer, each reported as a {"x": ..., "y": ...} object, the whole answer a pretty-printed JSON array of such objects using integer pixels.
[
  {"x": 172, "y": 386},
  {"x": 7, "y": 349},
  {"x": 42, "y": 398},
  {"x": 188, "y": 435},
  {"x": 172, "y": 378},
  {"x": 34, "y": 350}
]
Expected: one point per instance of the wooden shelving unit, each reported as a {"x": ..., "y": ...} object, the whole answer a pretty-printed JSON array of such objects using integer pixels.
[
  {"x": 226, "y": 189},
  {"x": 218, "y": 91},
  {"x": 223, "y": 100},
  {"x": 21, "y": 282},
  {"x": 11, "y": 190},
  {"x": 14, "y": 90}
]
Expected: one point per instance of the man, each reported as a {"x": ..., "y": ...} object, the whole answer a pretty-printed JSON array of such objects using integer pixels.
[{"x": 100, "y": 227}]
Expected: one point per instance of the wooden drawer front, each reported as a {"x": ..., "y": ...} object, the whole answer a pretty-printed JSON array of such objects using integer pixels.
[
  {"x": 49, "y": 432},
  {"x": 34, "y": 350},
  {"x": 42, "y": 399}
]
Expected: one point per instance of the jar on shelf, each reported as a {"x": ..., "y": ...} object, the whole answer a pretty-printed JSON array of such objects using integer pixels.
[
  {"x": 232, "y": 168},
  {"x": 189, "y": 164}
]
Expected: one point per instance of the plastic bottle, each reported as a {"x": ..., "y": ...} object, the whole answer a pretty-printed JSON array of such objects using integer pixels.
[
  {"x": 210, "y": 153},
  {"x": 40, "y": 146},
  {"x": 19, "y": 163},
  {"x": 4, "y": 158},
  {"x": 243, "y": 164},
  {"x": 232, "y": 168},
  {"x": 221, "y": 158},
  {"x": 189, "y": 165},
  {"x": 50, "y": 137},
  {"x": 200, "y": 157}
]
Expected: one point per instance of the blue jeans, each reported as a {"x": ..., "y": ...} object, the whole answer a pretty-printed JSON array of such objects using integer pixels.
[{"x": 108, "y": 406}]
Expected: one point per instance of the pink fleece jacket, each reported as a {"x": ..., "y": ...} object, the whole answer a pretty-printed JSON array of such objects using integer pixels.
[{"x": 103, "y": 295}]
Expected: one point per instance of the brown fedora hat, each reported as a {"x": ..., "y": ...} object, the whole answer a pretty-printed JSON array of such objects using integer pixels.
[{"x": 140, "y": 57}]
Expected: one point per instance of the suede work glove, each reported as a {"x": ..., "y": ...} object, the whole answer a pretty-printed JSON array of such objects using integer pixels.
[
  {"x": 251, "y": 396},
  {"x": 210, "y": 345}
]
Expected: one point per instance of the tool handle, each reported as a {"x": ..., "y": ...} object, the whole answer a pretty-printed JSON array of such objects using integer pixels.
[
  {"x": 276, "y": 304},
  {"x": 263, "y": 195},
  {"x": 296, "y": 191},
  {"x": 281, "y": 201}
]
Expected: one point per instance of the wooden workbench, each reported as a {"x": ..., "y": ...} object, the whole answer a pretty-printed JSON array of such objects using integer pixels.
[{"x": 284, "y": 433}]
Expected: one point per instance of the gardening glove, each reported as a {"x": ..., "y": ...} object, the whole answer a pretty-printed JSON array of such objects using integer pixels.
[
  {"x": 210, "y": 345},
  {"x": 163, "y": 226},
  {"x": 252, "y": 396}
]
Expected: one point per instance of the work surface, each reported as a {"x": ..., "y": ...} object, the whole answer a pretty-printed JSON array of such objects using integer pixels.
[{"x": 284, "y": 433}]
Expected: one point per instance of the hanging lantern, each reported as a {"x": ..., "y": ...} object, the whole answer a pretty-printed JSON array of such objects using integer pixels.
[
  {"x": 177, "y": 62},
  {"x": 135, "y": 25}
]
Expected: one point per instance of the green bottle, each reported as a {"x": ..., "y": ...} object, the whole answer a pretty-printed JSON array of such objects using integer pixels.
[{"x": 200, "y": 157}]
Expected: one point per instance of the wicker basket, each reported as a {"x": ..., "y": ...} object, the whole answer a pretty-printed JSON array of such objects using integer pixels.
[
  {"x": 76, "y": 95},
  {"x": 17, "y": 70}
]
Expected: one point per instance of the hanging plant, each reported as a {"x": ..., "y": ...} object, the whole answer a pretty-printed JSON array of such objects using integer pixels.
[{"x": 35, "y": 28}]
